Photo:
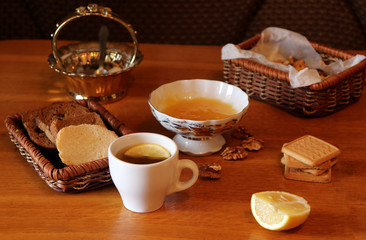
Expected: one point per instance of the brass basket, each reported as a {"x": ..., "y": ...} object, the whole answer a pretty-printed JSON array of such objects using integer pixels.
[
  {"x": 78, "y": 62},
  {"x": 272, "y": 86},
  {"x": 62, "y": 178}
]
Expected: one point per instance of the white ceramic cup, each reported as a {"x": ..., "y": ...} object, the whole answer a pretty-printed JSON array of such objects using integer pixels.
[{"x": 143, "y": 187}]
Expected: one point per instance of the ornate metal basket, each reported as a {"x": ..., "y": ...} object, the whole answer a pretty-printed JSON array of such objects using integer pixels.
[{"x": 79, "y": 61}]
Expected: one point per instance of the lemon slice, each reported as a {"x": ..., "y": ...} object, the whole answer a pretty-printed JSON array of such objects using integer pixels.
[
  {"x": 148, "y": 151},
  {"x": 276, "y": 210}
]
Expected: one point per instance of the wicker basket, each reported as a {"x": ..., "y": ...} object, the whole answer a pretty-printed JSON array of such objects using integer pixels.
[
  {"x": 62, "y": 178},
  {"x": 272, "y": 86}
]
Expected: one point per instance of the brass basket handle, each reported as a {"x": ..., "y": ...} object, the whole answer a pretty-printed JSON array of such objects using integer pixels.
[{"x": 92, "y": 10}]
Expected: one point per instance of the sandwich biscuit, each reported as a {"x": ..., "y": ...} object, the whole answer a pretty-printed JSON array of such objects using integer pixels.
[{"x": 310, "y": 150}]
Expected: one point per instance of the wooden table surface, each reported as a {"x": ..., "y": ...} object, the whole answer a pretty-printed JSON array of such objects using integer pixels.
[{"x": 211, "y": 209}]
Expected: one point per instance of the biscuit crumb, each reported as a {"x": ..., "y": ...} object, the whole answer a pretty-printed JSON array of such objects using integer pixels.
[{"x": 299, "y": 64}]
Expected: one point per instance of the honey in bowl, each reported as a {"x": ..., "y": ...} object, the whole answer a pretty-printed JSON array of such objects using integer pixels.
[{"x": 199, "y": 109}]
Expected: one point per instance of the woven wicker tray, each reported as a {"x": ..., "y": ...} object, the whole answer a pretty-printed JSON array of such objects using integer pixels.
[
  {"x": 272, "y": 86},
  {"x": 62, "y": 178}
]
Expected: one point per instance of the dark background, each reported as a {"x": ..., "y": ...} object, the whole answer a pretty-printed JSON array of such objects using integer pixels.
[{"x": 337, "y": 23}]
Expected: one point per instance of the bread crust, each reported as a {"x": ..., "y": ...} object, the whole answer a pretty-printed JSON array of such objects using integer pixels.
[
  {"x": 58, "y": 110},
  {"x": 37, "y": 136},
  {"x": 85, "y": 118},
  {"x": 43, "y": 124}
]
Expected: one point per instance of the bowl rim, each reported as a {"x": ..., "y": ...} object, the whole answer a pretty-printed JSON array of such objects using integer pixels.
[{"x": 241, "y": 112}]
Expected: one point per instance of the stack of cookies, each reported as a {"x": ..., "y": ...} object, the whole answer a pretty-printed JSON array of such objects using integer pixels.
[{"x": 309, "y": 159}]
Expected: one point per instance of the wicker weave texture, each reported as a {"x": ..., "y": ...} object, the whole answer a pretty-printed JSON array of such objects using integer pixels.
[
  {"x": 272, "y": 86},
  {"x": 62, "y": 178}
]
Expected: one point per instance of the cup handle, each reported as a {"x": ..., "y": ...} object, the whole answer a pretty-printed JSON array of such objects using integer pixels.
[{"x": 182, "y": 185}]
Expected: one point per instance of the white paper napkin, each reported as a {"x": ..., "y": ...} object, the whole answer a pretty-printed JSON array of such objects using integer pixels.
[{"x": 278, "y": 44}]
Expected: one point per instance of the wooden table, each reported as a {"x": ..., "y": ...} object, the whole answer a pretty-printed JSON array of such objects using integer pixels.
[{"x": 210, "y": 209}]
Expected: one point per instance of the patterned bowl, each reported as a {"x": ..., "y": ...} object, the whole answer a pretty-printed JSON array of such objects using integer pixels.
[{"x": 199, "y": 137}]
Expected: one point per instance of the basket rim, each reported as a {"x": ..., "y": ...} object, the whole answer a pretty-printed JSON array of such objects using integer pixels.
[
  {"x": 15, "y": 127},
  {"x": 92, "y": 180},
  {"x": 284, "y": 76}
]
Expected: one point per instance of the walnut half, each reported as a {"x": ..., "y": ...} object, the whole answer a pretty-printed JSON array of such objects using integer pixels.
[
  {"x": 209, "y": 170},
  {"x": 252, "y": 144},
  {"x": 240, "y": 133},
  {"x": 234, "y": 153}
]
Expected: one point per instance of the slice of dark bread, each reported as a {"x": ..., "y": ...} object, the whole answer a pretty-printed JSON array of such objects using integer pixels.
[
  {"x": 58, "y": 110},
  {"x": 36, "y": 135},
  {"x": 85, "y": 118}
]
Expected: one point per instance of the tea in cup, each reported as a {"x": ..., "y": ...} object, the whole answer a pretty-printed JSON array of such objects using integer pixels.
[{"x": 145, "y": 168}]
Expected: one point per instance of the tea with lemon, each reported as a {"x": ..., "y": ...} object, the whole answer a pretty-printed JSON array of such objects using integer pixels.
[
  {"x": 199, "y": 109},
  {"x": 144, "y": 153}
]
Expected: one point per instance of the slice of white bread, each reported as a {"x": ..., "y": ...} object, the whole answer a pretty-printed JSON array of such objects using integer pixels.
[
  {"x": 83, "y": 143},
  {"x": 310, "y": 150},
  {"x": 84, "y": 118}
]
